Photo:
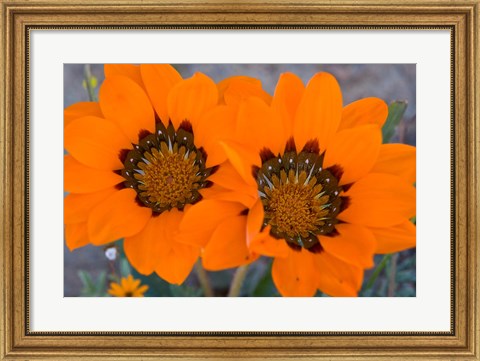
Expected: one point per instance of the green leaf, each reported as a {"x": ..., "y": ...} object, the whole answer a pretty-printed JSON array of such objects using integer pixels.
[
  {"x": 125, "y": 269},
  {"x": 395, "y": 115},
  {"x": 93, "y": 288},
  {"x": 87, "y": 281},
  {"x": 101, "y": 283}
]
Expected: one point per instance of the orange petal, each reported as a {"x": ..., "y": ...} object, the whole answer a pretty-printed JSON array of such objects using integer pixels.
[
  {"x": 355, "y": 150},
  {"x": 76, "y": 235},
  {"x": 337, "y": 278},
  {"x": 79, "y": 178},
  {"x": 227, "y": 177},
  {"x": 129, "y": 70},
  {"x": 159, "y": 79},
  {"x": 319, "y": 112},
  {"x": 78, "y": 206},
  {"x": 242, "y": 159},
  {"x": 380, "y": 200},
  {"x": 227, "y": 247},
  {"x": 146, "y": 249},
  {"x": 396, "y": 238},
  {"x": 397, "y": 159},
  {"x": 125, "y": 102},
  {"x": 79, "y": 110},
  {"x": 207, "y": 214},
  {"x": 116, "y": 217},
  {"x": 258, "y": 126},
  {"x": 195, "y": 238},
  {"x": 364, "y": 111},
  {"x": 125, "y": 282},
  {"x": 240, "y": 88},
  {"x": 254, "y": 221},
  {"x": 134, "y": 285},
  {"x": 354, "y": 244},
  {"x": 116, "y": 290},
  {"x": 216, "y": 124},
  {"x": 223, "y": 194},
  {"x": 178, "y": 264},
  {"x": 286, "y": 99},
  {"x": 296, "y": 275},
  {"x": 140, "y": 291},
  {"x": 191, "y": 98},
  {"x": 95, "y": 142},
  {"x": 264, "y": 244},
  {"x": 224, "y": 84}
]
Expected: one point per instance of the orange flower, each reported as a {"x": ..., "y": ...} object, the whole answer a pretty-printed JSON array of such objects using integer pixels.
[
  {"x": 323, "y": 194},
  {"x": 128, "y": 287},
  {"x": 217, "y": 225},
  {"x": 139, "y": 159}
]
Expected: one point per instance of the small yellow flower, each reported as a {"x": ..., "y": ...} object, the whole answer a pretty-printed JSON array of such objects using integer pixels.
[{"x": 128, "y": 287}]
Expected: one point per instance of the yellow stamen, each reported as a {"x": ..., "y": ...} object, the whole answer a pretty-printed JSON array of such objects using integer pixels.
[
  {"x": 168, "y": 178},
  {"x": 294, "y": 207}
]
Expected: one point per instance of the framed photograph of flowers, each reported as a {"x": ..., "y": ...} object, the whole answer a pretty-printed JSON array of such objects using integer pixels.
[
  {"x": 230, "y": 179},
  {"x": 211, "y": 171}
]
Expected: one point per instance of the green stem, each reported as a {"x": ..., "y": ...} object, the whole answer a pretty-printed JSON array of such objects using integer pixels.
[
  {"x": 377, "y": 271},
  {"x": 112, "y": 270},
  {"x": 203, "y": 279},
  {"x": 237, "y": 281},
  {"x": 392, "y": 276},
  {"x": 88, "y": 82}
]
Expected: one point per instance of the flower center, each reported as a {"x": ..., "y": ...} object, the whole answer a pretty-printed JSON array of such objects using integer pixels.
[
  {"x": 166, "y": 169},
  {"x": 301, "y": 199}
]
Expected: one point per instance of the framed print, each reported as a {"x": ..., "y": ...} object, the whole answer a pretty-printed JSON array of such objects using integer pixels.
[{"x": 239, "y": 180}]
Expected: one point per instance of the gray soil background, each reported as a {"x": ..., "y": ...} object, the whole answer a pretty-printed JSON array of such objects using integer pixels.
[{"x": 389, "y": 82}]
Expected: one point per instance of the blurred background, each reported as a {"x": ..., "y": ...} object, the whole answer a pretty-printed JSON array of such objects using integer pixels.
[{"x": 86, "y": 268}]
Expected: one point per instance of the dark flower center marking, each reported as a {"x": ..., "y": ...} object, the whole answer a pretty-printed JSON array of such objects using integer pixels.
[
  {"x": 166, "y": 169},
  {"x": 301, "y": 199}
]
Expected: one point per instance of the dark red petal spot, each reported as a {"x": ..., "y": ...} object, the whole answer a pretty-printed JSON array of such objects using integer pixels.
[
  {"x": 311, "y": 146},
  {"x": 295, "y": 247},
  {"x": 266, "y": 154},
  {"x": 345, "y": 203},
  {"x": 346, "y": 187},
  {"x": 142, "y": 134},
  {"x": 336, "y": 170},
  {"x": 333, "y": 233},
  {"x": 186, "y": 126},
  {"x": 122, "y": 154},
  {"x": 316, "y": 248},
  {"x": 213, "y": 169},
  {"x": 203, "y": 152},
  {"x": 255, "y": 170},
  {"x": 290, "y": 146}
]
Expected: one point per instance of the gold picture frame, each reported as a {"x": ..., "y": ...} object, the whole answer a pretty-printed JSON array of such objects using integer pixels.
[{"x": 20, "y": 16}]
